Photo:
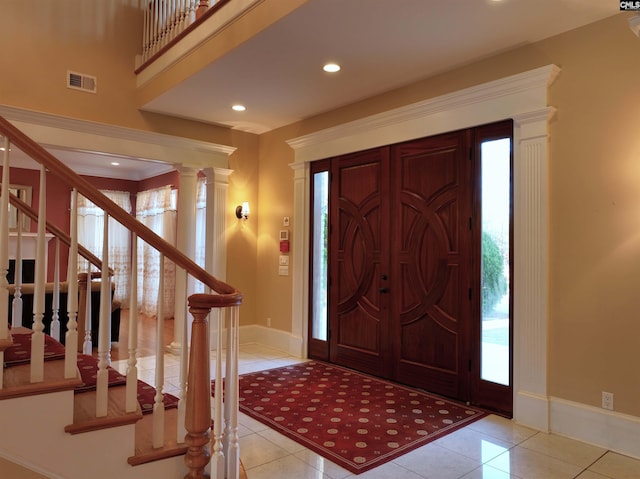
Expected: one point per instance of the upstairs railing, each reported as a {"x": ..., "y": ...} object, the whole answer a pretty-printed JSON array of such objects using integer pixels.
[
  {"x": 167, "y": 20},
  {"x": 194, "y": 406}
]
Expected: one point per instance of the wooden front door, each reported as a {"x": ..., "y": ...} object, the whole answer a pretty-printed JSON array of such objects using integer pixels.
[
  {"x": 400, "y": 262},
  {"x": 359, "y": 314},
  {"x": 431, "y": 257}
]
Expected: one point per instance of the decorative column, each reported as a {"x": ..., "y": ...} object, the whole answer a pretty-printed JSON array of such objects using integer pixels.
[
  {"x": 216, "y": 235},
  {"x": 531, "y": 401},
  {"x": 300, "y": 258},
  {"x": 185, "y": 242}
]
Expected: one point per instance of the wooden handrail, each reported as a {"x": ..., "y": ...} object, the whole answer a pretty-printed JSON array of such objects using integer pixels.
[
  {"x": 229, "y": 295},
  {"x": 57, "y": 232}
]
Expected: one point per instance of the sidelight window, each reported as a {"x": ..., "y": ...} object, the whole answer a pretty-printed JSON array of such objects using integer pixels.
[
  {"x": 496, "y": 204},
  {"x": 320, "y": 247}
]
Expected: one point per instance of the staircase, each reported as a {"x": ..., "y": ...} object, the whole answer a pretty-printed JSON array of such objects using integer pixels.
[{"x": 49, "y": 428}]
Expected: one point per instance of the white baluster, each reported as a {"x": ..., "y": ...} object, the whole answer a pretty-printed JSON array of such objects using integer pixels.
[
  {"x": 146, "y": 29},
  {"x": 4, "y": 254},
  {"x": 37, "y": 339},
  {"x": 181, "y": 295},
  {"x": 158, "y": 406},
  {"x": 218, "y": 455},
  {"x": 193, "y": 4},
  {"x": 104, "y": 329},
  {"x": 184, "y": 14},
  {"x": 87, "y": 345},
  {"x": 174, "y": 20},
  {"x": 155, "y": 26},
  {"x": 132, "y": 367},
  {"x": 17, "y": 279},
  {"x": 232, "y": 451},
  {"x": 71, "y": 338},
  {"x": 164, "y": 21},
  {"x": 55, "y": 300}
]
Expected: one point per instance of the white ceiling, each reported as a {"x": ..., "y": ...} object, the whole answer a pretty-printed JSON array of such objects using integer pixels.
[{"x": 381, "y": 45}]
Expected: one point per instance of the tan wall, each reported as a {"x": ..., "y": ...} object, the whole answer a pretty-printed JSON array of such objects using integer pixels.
[
  {"x": 242, "y": 235},
  {"x": 101, "y": 38},
  {"x": 594, "y": 207},
  {"x": 93, "y": 37}
]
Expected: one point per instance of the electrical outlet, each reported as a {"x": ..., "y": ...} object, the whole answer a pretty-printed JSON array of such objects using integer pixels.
[
  {"x": 268, "y": 322},
  {"x": 607, "y": 400}
]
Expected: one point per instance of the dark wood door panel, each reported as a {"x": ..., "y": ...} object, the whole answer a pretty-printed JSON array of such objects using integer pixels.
[
  {"x": 431, "y": 262},
  {"x": 404, "y": 264},
  {"x": 359, "y": 311}
]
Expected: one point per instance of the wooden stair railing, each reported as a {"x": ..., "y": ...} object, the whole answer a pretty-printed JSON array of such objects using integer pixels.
[
  {"x": 226, "y": 298},
  {"x": 83, "y": 313},
  {"x": 27, "y": 210}
]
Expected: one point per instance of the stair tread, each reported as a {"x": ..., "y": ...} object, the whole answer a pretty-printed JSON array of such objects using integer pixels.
[
  {"x": 17, "y": 380},
  {"x": 84, "y": 411}
]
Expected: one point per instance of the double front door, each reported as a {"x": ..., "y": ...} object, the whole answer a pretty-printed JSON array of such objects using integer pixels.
[{"x": 403, "y": 263}]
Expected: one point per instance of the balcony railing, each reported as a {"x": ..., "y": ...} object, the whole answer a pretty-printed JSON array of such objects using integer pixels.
[{"x": 165, "y": 21}]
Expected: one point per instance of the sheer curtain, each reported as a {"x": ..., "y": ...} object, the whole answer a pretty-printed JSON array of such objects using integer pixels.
[
  {"x": 157, "y": 210},
  {"x": 90, "y": 229}
]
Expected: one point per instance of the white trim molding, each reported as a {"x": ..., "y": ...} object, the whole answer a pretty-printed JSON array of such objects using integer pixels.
[
  {"x": 600, "y": 427},
  {"x": 521, "y": 97},
  {"x": 271, "y": 337},
  {"x": 64, "y": 133}
]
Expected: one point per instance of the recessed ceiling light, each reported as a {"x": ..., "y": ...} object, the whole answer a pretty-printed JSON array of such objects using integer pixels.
[
  {"x": 238, "y": 108},
  {"x": 331, "y": 67},
  {"x": 115, "y": 163}
]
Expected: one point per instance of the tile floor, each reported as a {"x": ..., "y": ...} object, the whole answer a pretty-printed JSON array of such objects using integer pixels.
[{"x": 492, "y": 448}]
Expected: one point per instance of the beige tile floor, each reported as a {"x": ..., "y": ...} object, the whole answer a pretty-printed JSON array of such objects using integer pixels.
[{"x": 492, "y": 448}]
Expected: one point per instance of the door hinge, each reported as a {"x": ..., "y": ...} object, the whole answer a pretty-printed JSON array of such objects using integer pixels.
[
  {"x": 470, "y": 223},
  {"x": 470, "y": 293},
  {"x": 469, "y": 365}
]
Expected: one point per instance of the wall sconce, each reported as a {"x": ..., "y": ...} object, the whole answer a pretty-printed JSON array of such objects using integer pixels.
[{"x": 242, "y": 211}]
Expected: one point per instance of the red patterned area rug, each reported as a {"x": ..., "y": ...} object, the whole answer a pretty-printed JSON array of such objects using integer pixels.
[{"x": 357, "y": 421}]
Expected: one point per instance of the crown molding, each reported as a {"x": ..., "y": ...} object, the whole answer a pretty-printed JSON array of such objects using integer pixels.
[{"x": 522, "y": 92}]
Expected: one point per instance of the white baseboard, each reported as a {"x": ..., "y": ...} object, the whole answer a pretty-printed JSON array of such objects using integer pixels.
[
  {"x": 607, "y": 429},
  {"x": 269, "y": 337},
  {"x": 273, "y": 338},
  {"x": 531, "y": 410}
]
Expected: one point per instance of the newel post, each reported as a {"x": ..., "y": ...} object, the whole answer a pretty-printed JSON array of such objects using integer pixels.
[
  {"x": 202, "y": 8},
  {"x": 198, "y": 410}
]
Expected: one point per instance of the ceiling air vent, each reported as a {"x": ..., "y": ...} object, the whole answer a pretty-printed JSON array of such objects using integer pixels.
[{"x": 79, "y": 81}]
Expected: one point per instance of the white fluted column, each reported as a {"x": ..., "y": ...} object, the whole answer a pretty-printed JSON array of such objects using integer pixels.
[
  {"x": 185, "y": 242},
  {"x": 216, "y": 237},
  {"x": 300, "y": 258},
  {"x": 531, "y": 401}
]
